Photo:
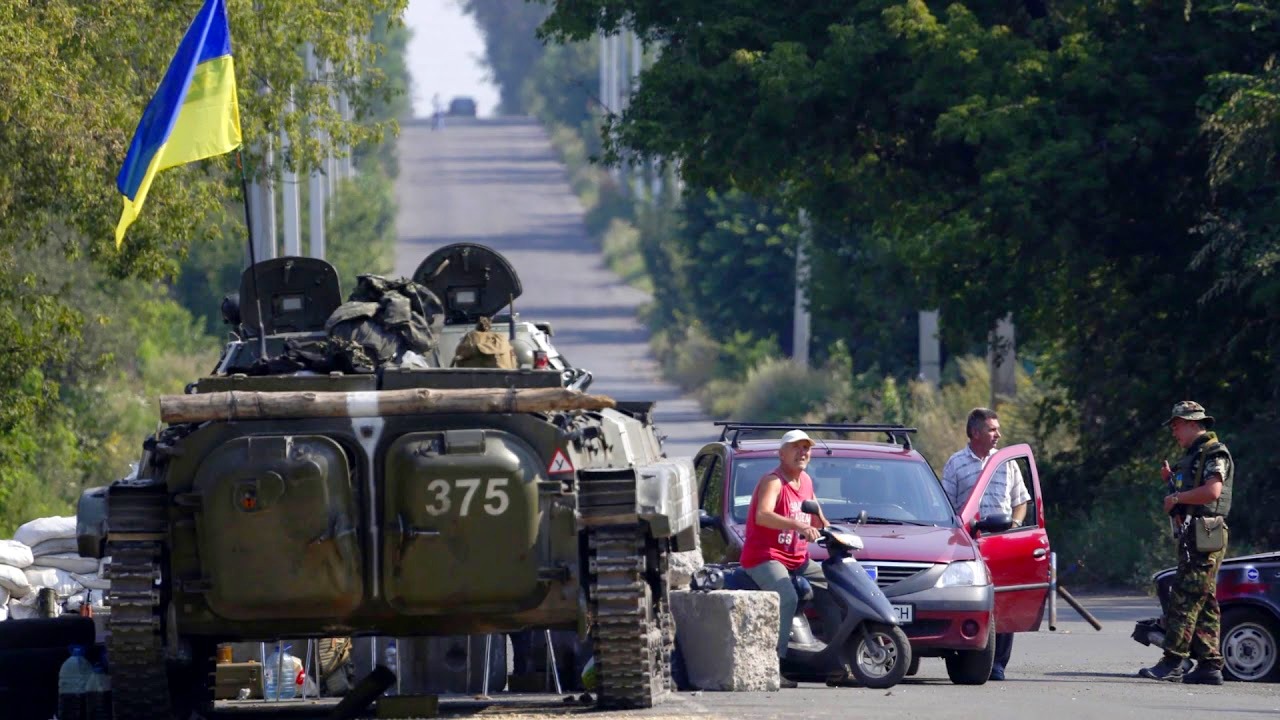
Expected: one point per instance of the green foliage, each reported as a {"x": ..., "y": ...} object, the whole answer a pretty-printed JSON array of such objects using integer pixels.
[
  {"x": 362, "y": 229},
  {"x": 1105, "y": 171},
  {"x": 95, "y": 334},
  {"x": 511, "y": 47}
]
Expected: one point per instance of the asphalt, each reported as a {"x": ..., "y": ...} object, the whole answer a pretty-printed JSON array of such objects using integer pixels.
[{"x": 500, "y": 184}]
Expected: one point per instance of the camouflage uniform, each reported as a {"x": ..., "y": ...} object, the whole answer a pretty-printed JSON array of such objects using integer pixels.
[{"x": 1193, "y": 621}]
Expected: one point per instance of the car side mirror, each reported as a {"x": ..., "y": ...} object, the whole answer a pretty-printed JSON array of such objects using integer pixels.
[
  {"x": 810, "y": 506},
  {"x": 707, "y": 520},
  {"x": 999, "y": 522}
]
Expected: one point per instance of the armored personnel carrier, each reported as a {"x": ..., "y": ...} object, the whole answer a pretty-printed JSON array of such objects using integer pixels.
[{"x": 414, "y": 499}]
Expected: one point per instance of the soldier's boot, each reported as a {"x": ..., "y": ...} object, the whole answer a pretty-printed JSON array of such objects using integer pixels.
[
  {"x": 1204, "y": 674},
  {"x": 1167, "y": 670}
]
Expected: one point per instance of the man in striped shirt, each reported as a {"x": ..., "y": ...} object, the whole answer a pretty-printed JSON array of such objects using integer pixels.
[{"x": 1006, "y": 493}]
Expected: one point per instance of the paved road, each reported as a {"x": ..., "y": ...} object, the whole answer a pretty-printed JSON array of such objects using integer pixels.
[{"x": 498, "y": 183}]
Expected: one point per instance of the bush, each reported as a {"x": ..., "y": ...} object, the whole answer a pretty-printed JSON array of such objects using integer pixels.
[{"x": 778, "y": 390}]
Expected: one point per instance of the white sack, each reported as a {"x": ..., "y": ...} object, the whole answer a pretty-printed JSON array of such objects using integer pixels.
[
  {"x": 92, "y": 581},
  {"x": 4, "y": 597},
  {"x": 41, "y": 529},
  {"x": 54, "y": 547},
  {"x": 62, "y": 582},
  {"x": 15, "y": 581},
  {"x": 15, "y": 553},
  {"x": 25, "y": 609},
  {"x": 70, "y": 562},
  {"x": 97, "y": 598},
  {"x": 4, "y": 612},
  {"x": 73, "y": 603}
]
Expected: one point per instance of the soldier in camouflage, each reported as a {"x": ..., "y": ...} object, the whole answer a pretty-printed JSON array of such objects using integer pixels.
[{"x": 1199, "y": 498}]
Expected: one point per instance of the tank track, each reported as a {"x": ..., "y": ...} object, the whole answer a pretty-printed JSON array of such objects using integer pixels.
[
  {"x": 139, "y": 678},
  {"x": 631, "y": 630}
]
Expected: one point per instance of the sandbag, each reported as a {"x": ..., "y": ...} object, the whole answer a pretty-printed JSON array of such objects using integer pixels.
[
  {"x": 26, "y": 609},
  {"x": 15, "y": 581},
  {"x": 71, "y": 562},
  {"x": 37, "y": 531},
  {"x": 15, "y": 554},
  {"x": 93, "y": 581},
  {"x": 55, "y": 546},
  {"x": 73, "y": 603},
  {"x": 4, "y": 596},
  {"x": 4, "y": 612},
  {"x": 62, "y": 582}
]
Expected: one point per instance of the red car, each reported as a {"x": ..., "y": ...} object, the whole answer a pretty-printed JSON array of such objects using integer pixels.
[{"x": 954, "y": 579}]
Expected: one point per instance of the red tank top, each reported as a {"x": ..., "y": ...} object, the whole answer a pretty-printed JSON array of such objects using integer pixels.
[{"x": 786, "y": 546}]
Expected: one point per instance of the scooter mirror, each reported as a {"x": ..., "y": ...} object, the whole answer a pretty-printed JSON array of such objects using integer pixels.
[{"x": 810, "y": 506}]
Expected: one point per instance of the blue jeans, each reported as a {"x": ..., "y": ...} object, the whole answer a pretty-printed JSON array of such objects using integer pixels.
[{"x": 773, "y": 575}]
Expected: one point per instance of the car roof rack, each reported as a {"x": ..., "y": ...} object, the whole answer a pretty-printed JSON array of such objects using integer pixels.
[{"x": 898, "y": 434}]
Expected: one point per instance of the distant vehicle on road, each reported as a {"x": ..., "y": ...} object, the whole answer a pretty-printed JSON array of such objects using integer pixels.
[
  {"x": 1249, "y": 595},
  {"x": 462, "y": 106},
  {"x": 954, "y": 579}
]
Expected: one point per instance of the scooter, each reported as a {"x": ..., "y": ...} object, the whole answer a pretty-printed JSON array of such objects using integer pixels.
[{"x": 864, "y": 639}]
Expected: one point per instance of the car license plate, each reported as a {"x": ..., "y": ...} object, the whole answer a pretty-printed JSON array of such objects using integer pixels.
[{"x": 905, "y": 613}]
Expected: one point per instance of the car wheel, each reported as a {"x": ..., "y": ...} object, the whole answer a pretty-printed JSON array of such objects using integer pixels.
[
  {"x": 914, "y": 667},
  {"x": 973, "y": 667},
  {"x": 879, "y": 655},
  {"x": 1249, "y": 645}
]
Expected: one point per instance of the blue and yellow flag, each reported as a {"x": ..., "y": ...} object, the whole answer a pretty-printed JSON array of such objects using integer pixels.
[{"x": 193, "y": 115}]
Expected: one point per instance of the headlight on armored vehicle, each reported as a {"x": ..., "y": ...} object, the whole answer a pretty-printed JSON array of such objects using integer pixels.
[{"x": 967, "y": 573}]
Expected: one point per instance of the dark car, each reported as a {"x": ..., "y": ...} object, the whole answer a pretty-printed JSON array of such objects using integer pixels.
[
  {"x": 954, "y": 579},
  {"x": 462, "y": 107},
  {"x": 1249, "y": 595}
]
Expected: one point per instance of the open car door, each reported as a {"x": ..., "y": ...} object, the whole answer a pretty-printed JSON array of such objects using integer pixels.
[{"x": 1018, "y": 558}]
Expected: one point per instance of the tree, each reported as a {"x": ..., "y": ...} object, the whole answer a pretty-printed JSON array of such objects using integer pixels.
[
  {"x": 1055, "y": 160},
  {"x": 77, "y": 76},
  {"x": 512, "y": 48}
]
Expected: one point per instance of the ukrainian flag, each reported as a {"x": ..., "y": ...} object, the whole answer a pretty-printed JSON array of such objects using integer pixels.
[{"x": 193, "y": 115}]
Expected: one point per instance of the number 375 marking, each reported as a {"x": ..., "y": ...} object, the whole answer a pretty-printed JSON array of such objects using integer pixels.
[{"x": 495, "y": 502}]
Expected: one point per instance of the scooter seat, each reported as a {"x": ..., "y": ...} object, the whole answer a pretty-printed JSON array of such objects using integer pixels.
[{"x": 738, "y": 579}]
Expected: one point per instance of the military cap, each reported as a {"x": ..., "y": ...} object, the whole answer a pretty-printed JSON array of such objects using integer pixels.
[{"x": 1190, "y": 410}]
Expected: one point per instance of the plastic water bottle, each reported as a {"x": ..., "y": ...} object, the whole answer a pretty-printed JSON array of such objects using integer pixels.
[
  {"x": 284, "y": 685},
  {"x": 98, "y": 694},
  {"x": 73, "y": 683}
]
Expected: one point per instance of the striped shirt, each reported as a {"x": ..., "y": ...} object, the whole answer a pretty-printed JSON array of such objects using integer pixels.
[{"x": 1005, "y": 491}]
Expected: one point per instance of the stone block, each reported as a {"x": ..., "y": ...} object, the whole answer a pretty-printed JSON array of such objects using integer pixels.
[
  {"x": 728, "y": 638},
  {"x": 683, "y": 566}
]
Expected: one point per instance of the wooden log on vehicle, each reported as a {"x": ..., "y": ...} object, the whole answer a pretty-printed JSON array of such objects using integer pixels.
[{"x": 252, "y": 405}]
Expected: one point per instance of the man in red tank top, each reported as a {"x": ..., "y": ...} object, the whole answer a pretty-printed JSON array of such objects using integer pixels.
[{"x": 776, "y": 547}]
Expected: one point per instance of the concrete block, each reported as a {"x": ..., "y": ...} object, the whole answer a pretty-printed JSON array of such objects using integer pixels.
[
  {"x": 683, "y": 566},
  {"x": 728, "y": 638}
]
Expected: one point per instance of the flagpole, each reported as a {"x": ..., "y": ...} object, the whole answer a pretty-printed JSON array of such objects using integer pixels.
[{"x": 253, "y": 258}]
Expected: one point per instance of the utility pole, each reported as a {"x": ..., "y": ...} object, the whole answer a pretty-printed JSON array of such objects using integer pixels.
[
  {"x": 316, "y": 186},
  {"x": 289, "y": 198},
  {"x": 930, "y": 347},
  {"x": 800, "y": 313},
  {"x": 1002, "y": 361},
  {"x": 262, "y": 204}
]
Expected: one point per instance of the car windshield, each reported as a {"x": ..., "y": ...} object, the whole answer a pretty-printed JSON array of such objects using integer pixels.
[{"x": 892, "y": 491}]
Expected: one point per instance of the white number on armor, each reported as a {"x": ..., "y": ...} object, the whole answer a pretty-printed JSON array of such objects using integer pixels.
[
  {"x": 470, "y": 484},
  {"x": 496, "y": 499},
  {"x": 441, "y": 504},
  {"x": 498, "y": 494}
]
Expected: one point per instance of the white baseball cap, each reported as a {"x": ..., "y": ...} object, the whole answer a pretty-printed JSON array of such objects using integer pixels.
[{"x": 796, "y": 436}]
